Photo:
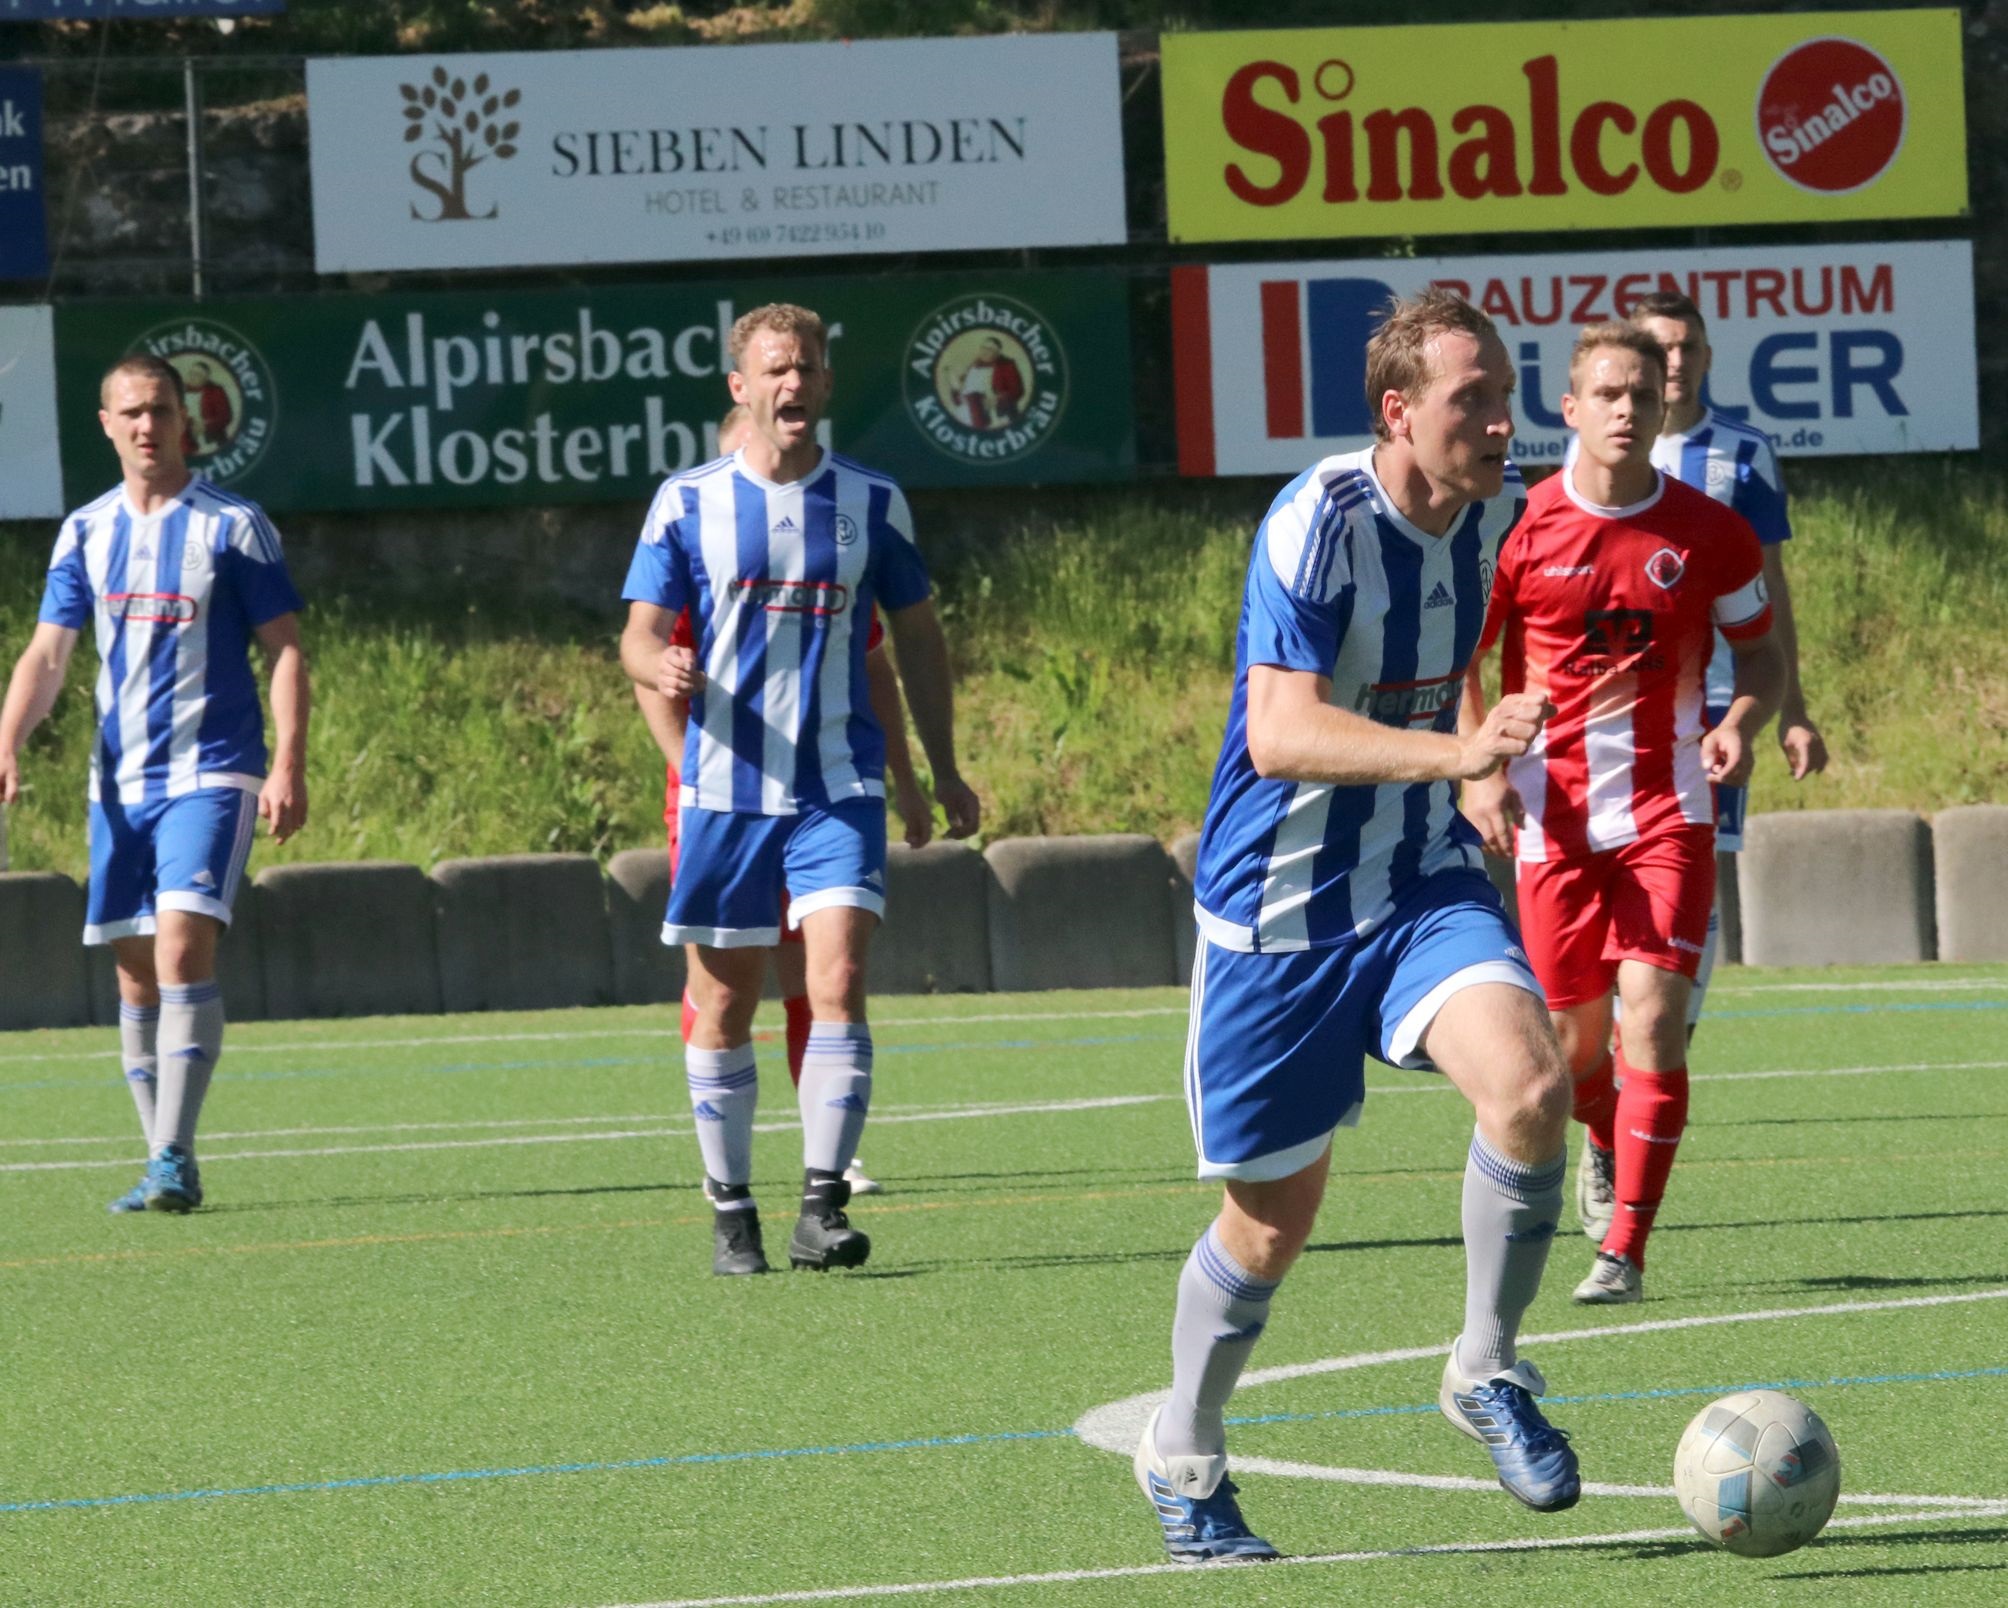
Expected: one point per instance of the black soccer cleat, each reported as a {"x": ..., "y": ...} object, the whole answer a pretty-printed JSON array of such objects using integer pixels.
[
  {"x": 823, "y": 1236},
  {"x": 735, "y": 1235}
]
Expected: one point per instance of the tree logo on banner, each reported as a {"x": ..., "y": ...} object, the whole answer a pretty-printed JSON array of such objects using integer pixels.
[
  {"x": 465, "y": 123},
  {"x": 986, "y": 379}
]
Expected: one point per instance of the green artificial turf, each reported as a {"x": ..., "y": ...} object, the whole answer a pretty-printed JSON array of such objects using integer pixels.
[{"x": 446, "y": 1332}]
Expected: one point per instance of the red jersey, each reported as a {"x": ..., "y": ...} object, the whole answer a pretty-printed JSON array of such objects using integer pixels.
[{"x": 1611, "y": 613}]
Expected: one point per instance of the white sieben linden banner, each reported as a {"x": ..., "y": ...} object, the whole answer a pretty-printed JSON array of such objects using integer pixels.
[
  {"x": 1831, "y": 349},
  {"x": 31, "y": 471},
  {"x": 715, "y": 152}
]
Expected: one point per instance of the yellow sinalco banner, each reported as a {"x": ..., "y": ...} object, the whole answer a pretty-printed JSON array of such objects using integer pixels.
[{"x": 1322, "y": 132}]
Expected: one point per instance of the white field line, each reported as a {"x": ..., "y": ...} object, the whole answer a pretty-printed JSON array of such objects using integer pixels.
[
  {"x": 616, "y": 1135},
  {"x": 888, "y": 1114},
  {"x": 1211, "y": 1573}
]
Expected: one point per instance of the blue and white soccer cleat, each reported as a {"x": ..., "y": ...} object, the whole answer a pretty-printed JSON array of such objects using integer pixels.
[
  {"x": 1534, "y": 1460},
  {"x": 173, "y": 1182},
  {"x": 1195, "y": 1506},
  {"x": 133, "y": 1200}
]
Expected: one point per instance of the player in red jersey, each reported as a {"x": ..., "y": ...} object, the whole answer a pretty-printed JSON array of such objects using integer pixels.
[
  {"x": 666, "y": 719},
  {"x": 1607, "y": 599}
]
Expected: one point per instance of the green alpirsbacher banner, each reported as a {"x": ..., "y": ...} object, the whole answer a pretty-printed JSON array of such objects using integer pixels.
[{"x": 472, "y": 399}]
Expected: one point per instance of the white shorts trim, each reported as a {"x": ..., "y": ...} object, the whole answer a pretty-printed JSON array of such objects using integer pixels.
[
  {"x": 834, "y": 898},
  {"x": 200, "y": 904},
  {"x": 111, "y": 931},
  {"x": 722, "y": 937},
  {"x": 1279, "y": 1163},
  {"x": 236, "y": 779},
  {"x": 1402, "y": 1042}
]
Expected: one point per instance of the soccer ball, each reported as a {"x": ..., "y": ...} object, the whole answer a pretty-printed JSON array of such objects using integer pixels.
[{"x": 1757, "y": 1473}]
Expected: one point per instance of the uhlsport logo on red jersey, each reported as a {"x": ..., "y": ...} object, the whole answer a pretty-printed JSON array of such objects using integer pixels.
[{"x": 1830, "y": 115}]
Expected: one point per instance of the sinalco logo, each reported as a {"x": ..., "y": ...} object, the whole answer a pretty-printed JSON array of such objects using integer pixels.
[
  {"x": 463, "y": 120},
  {"x": 1831, "y": 115},
  {"x": 233, "y": 407},
  {"x": 986, "y": 379}
]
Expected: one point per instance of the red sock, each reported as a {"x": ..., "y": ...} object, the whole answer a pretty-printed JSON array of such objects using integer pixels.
[
  {"x": 1652, "y": 1114},
  {"x": 689, "y": 1016},
  {"x": 1597, "y": 1103},
  {"x": 799, "y": 1022}
]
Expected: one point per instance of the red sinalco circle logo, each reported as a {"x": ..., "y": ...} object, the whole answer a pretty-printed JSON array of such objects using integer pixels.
[{"x": 1830, "y": 115}]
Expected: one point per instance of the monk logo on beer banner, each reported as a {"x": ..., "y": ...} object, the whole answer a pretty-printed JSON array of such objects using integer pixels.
[
  {"x": 986, "y": 379},
  {"x": 233, "y": 403}
]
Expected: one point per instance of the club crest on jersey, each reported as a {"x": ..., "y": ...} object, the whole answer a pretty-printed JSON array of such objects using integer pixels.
[
  {"x": 1665, "y": 568},
  {"x": 1718, "y": 476},
  {"x": 847, "y": 530},
  {"x": 985, "y": 379},
  {"x": 233, "y": 406}
]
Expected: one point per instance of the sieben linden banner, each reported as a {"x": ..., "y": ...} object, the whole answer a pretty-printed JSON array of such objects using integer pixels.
[
  {"x": 1832, "y": 349},
  {"x": 529, "y": 397},
  {"x": 715, "y": 152},
  {"x": 1653, "y": 123}
]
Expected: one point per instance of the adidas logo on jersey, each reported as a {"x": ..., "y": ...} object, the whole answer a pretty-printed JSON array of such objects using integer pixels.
[
  {"x": 1440, "y": 598},
  {"x": 786, "y": 526}
]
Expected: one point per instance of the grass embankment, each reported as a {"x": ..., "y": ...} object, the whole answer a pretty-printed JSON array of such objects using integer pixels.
[{"x": 1094, "y": 659}]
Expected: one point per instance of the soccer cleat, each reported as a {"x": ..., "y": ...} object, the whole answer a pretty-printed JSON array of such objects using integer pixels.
[
  {"x": 173, "y": 1182},
  {"x": 1534, "y": 1460},
  {"x": 133, "y": 1200},
  {"x": 1596, "y": 1189},
  {"x": 823, "y": 1236},
  {"x": 1613, "y": 1281},
  {"x": 735, "y": 1243},
  {"x": 854, "y": 1175},
  {"x": 1195, "y": 1506}
]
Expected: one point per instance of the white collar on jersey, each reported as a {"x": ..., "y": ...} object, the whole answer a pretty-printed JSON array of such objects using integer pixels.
[
  {"x": 1626, "y": 512},
  {"x": 822, "y": 468}
]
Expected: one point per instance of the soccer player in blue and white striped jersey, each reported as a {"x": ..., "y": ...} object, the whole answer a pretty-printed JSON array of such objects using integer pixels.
[
  {"x": 1343, "y": 912},
  {"x": 177, "y": 578},
  {"x": 780, "y": 551}
]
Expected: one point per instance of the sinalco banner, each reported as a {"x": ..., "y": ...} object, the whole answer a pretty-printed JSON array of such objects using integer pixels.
[
  {"x": 1832, "y": 349},
  {"x": 1655, "y": 123},
  {"x": 739, "y": 151},
  {"x": 30, "y": 486},
  {"x": 555, "y": 396}
]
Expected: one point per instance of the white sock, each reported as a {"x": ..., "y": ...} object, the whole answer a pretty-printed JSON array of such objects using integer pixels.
[
  {"x": 139, "y": 1031},
  {"x": 835, "y": 1094},
  {"x": 190, "y": 1044},
  {"x": 724, "y": 1089}
]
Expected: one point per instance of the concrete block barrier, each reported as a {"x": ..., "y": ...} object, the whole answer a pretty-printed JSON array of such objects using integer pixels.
[
  {"x": 936, "y": 937},
  {"x": 522, "y": 932},
  {"x": 1080, "y": 912},
  {"x": 1729, "y": 906},
  {"x": 44, "y": 979},
  {"x": 1969, "y": 848},
  {"x": 647, "y": 971},
  {"x": 240, "y": 964},
  {"x": 1836, "y": 888},
  {"x": 347, "y": 940},
  {"x": 1184, "y": 929}
]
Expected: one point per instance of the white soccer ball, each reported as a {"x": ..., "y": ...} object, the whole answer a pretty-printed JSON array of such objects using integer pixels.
[{"x": 1757, "y": 1473}]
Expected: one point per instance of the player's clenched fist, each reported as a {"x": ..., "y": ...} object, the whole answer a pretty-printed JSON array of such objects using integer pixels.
[
  {"x": 1509, "y": 731},
  {"x": 677, "y": 675}
]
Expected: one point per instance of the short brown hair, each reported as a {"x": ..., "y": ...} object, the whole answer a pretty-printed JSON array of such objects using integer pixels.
[
  {"x": 783, "y": 318},
  {"x": 1666, "y": 304},
  {"x": 143, "y": 363},
  {"x": 1397, "y": 353},
  {"x": 1628, "y": 337}
]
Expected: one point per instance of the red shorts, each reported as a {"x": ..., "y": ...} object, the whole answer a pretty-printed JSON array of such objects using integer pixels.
[
  {"x": 671, "y": 795},
  {"x": 1646, "y": 901}
]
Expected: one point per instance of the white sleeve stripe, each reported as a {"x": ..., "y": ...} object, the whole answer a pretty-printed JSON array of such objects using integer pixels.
[{"x": 1743, "y": 605}]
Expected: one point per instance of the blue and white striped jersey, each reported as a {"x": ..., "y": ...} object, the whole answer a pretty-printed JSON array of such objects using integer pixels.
[
  {"x": 1342, "y": 585},
  {"x": 176, "y": 595},
  {"x": 1736, "y": 464},
  {"x": 780, "y": 582}
]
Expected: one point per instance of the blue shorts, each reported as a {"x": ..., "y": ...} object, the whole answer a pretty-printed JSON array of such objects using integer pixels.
[
  {"x": 1275, "y": 1056},
  {"x": 184, "y": 853},
  {"x": 732, "y": 870},
  {"x": 1731, "y": 803}
]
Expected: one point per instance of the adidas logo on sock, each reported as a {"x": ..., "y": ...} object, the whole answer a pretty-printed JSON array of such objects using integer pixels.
[
  {"x": 847, "y": 1102},
  {"x": 1440, "y": 598},
  {"x": 192, "y": 1053},
  {"x": 705, "y": 1111}
]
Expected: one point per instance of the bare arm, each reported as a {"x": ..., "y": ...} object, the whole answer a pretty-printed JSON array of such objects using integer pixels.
[
  {"x": 282, "y": 801},
  {"x": 644, "y": 642},
  {"x": 1295, "y": 734},
  {"x": 31, "y": 694},
  {"x": 665, "y": 718},
  {"x": 1726, "y": 753},
  {"x": 923, "y": 657},
  {"x": 890, "y": 711},
  {"x": 1805, "y": 749}
]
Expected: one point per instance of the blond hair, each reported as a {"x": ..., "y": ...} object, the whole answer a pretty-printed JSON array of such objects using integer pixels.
[
  {"x": 1626, "y": 337},
  {"x": 781, "y": 318},
  {"x": 1397, "y": 354}
]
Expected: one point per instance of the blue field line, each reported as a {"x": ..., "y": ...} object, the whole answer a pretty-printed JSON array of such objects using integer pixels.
[{"x": 927, "y": 1443}]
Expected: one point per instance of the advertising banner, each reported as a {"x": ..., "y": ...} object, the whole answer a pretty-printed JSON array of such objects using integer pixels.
[
  {"x": 1831, "y": 349},
  {"x": 30, "y": 485},
  {"x": 24, "y": 228},
  {"x": 69, "y": 10},
  {"x": 568, "y": 157},
  {"x": 1664, "y": 123},
  {"x": 468, "y": 399}
]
